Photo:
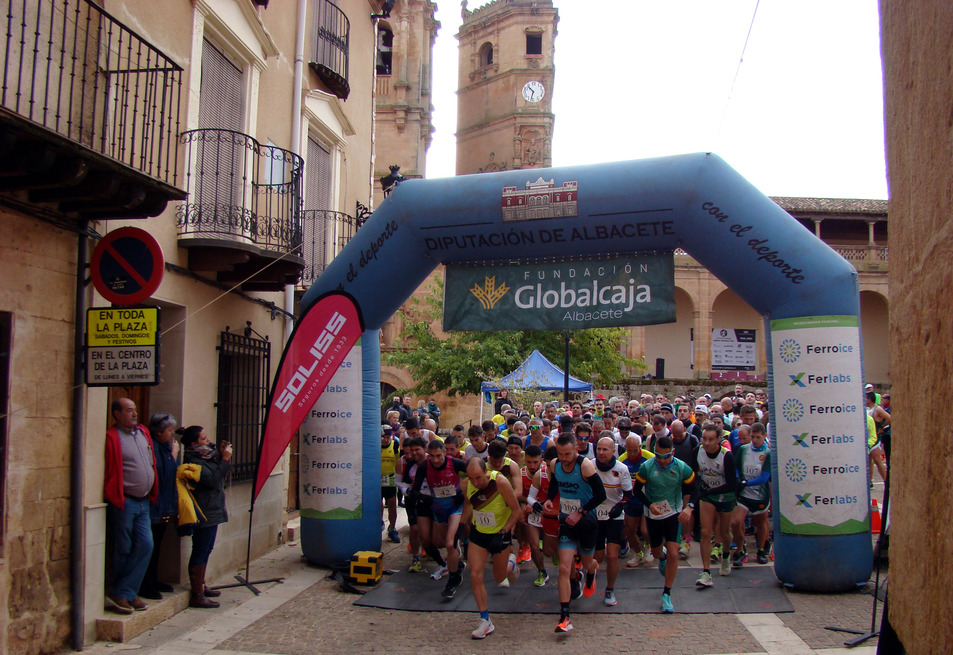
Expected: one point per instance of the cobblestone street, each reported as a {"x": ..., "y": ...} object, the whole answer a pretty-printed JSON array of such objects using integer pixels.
[{"x": 309, "y": 615}]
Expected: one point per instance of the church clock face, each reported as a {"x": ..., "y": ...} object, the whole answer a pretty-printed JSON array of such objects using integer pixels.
[{"x": 533, "y": 91}]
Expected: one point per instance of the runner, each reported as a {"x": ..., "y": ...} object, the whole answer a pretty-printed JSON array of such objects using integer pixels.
[
  {"x": 491, "y": 505},
  {"x": 529, "y": 529},
  {"x": 407, "y": 468},
  {"x": 633, "y": 458},
  {"x": 618, "y": 484},
  {"x": 579, "y": 491},
  {"x": 665, "y": 485},
  {"x": 477, "y": 446},
  {"x": 754, "y": 495},
  {"x": 441, "y": 474},
  {"x": 715, "y": 466},
  {"x": 390, "y": 450}
]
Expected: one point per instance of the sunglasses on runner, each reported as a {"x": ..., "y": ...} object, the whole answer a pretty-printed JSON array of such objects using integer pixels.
[
  {"x": 665, "y": 456},
  {"x": 535, "y": 427}
]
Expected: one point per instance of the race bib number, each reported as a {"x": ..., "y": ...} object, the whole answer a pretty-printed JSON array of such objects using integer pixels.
[
  {"x": 568, "y": 505},
  {"x": 484, "y": 519},
  {"x": 444, "y": 492},
  {"x": 387, "y": 480},
  {"x": 602, "y": 512},
  {"x": 535, "y": 520},
  {"x": 667, "y": 510}
]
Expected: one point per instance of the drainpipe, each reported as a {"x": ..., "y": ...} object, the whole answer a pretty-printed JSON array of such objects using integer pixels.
[
  {"x": 77, "y": 536},
  {"x": 296, "y": 135}
]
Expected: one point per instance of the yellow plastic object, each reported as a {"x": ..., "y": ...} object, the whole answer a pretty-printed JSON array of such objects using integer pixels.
[{"x": 367, "y": 566}]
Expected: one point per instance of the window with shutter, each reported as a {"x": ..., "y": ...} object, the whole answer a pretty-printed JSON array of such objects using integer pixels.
[
  {"x": 221, "y": 155},
  {"x": 318, "y": 226}
]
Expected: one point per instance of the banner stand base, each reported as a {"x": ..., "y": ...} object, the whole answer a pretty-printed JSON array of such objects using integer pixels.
[{"x": 246, "y": 581}]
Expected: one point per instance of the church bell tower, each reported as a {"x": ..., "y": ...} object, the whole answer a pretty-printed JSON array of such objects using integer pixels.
[{"x": 505, "y": 86}]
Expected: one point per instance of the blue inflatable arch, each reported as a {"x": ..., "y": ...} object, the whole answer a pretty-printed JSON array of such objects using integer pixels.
[{"x": 695, "y": 202}]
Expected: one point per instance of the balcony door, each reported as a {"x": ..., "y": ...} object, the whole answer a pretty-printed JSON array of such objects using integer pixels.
[
  {"x": 222, "y": 155},
  {"x": 318, "y": 236}
]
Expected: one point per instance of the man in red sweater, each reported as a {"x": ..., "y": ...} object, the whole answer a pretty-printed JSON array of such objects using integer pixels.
[{"x": 131, "y": 482}]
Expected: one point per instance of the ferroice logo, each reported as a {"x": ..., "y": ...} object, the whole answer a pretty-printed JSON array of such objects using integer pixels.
[{"x": 489, "y": 294}]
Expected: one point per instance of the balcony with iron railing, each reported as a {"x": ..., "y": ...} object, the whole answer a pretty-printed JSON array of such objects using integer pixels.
[
  {"x": 325, "y": 233},
  {"x": 89, "y": 114},
  {"x": 242, "y": 220},
  {"x": 330, "y": 44}
]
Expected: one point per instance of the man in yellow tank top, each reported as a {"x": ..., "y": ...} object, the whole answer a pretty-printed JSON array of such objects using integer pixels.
[{"x": 491, "y": 504}]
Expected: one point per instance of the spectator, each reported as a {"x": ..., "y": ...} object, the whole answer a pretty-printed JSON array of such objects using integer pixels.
[
  {"x": 434, "y": 411},
  {"x": 131, "y": 484},
  {"x": 209, "y": 495},
  {"x": 502, "y": 398},
  {"x": 166, "y": 509}
]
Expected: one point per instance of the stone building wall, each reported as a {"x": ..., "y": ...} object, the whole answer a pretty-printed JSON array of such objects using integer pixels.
[
  {"x": 917, "y": 47},
  {"x": 39, "y": 290}
]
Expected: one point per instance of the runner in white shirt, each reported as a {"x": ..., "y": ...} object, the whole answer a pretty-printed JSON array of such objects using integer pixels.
[{"x": 618, "y": 485}]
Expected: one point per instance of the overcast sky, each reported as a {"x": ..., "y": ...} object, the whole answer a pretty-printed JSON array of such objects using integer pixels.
[{"x": 647, "y": 78}]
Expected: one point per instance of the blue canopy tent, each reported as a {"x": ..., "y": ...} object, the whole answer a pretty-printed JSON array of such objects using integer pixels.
[{"x": 536, "y": 372}]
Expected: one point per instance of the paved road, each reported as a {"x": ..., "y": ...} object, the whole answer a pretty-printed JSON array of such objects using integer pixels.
[{"x": 308, "y": 615}]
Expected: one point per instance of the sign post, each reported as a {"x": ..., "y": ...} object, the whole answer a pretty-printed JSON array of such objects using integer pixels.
[{"x": 122, "y": 346}]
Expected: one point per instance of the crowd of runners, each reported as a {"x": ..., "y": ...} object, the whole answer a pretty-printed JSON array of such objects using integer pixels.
[{"x": 572, "y": 487}]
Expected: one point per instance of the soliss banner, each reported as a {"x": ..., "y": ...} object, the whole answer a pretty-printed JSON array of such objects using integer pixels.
[{"x": 619, "y": 292}]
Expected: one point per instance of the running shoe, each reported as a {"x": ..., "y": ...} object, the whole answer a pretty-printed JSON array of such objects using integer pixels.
[
  {"x": 590, "y": 587},
  {"x": 439, "y": 573},
  {"x": 394, "y": 537},
  {"x": 565, "y": 625},
  {"x": 610, "y": 600},
  {"x": 684, "y": 549},
  {"x": 661, "y": 566},
  {"x": 505, "y": 584},
  {"x": 635, "y": 560},
  {"x": 715, "y": 553},
  {"x": 410, "y": 548},
  {"x": 667, "y": 607},
  {"x": 739, "y": 557},
  {"x": 415, "y": 566},
  {"x": 483, "y": 629},
  {"x": 453, "y": 581},
  {"x": 704, "y": 580},
  {"x": 525, "y": 554},
  {"x": 514, "y": 570},
  {"x": 575, "y": 589},
  {"x": 541, "y": 579},
  {"x": 624, "y": 549},
  {"x": 725, "y": 566},
  {"x": 762, "y": 556},
  {"x": 647, "y": 557},
  {"x": 577, "y": 562}
]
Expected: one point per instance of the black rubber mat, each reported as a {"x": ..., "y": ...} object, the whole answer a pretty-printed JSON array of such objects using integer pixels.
[{"x": 752, "y": 590}]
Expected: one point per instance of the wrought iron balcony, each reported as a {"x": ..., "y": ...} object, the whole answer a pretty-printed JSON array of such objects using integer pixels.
[
  {"x": 325, "y": 233},
  {"x": 89, "y": 114},
  {"x": 242, "y": 219},
  {"x": 330, "y": 46}
]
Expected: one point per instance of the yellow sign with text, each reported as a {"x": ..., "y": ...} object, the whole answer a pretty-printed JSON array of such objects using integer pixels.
[{"x": 136, "y": 326}]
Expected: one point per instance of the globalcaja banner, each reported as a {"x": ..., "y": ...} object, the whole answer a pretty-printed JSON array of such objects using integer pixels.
[
  {"x": 820, "y": 425},
  {"x": 620, "y": 292}
]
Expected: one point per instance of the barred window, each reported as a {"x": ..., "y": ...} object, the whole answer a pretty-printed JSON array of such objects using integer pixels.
[{"x": 244, "y": 378}]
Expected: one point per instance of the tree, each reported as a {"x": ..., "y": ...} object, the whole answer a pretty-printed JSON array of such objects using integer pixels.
[{"x": 458, "y": 363}]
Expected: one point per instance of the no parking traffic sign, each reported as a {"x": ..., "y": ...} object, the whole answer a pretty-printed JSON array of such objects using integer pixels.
[{"x": 127, "y": 266}]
